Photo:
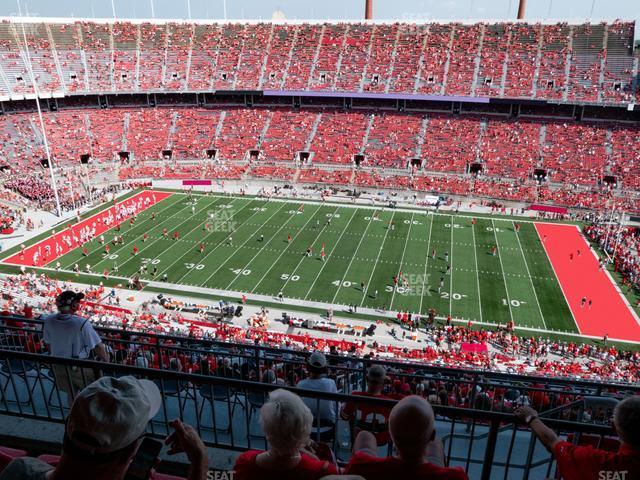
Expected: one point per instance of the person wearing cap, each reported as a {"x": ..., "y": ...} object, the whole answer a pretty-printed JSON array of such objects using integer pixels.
[
  {"x": 103, "y": 432},
  {"x": 372, "y": 418},
  {"x": 324, "y": 411},
  {"x": 71, "y": 336}
]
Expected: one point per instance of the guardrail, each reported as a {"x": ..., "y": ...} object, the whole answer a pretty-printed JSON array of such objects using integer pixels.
[
  {"x": 487, "y": 444},
  {"x": 130, "y": 340}
]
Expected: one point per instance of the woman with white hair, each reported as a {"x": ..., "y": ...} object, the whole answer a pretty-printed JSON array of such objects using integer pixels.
[{"x": 286, "y": 423}]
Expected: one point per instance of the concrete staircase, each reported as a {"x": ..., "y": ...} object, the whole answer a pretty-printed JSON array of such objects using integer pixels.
[{"x": 315, "y": 57}]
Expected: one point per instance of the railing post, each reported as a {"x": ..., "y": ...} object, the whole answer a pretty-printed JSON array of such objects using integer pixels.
[{"x": 490, "y": 451}]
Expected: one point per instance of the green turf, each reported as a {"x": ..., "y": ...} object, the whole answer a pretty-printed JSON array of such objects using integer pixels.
[{"x": 360, "y": 246}]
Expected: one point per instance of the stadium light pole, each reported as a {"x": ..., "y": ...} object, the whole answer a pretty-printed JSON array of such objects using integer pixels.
[
  {"x": 368, "y": 10},
  {"x": 153, "y": 12},
  {"x": 521, "y": 9},
  {"x": 224, "y": 7},
  {"x": 44, "y": 132}
]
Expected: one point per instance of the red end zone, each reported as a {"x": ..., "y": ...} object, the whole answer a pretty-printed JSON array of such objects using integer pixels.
[
  {"x": 609, "y": 313},
  {"x": 57, "y": 247}
]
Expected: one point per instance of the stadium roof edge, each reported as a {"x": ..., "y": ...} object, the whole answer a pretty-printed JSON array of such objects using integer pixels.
[{"x": 573, "y": 21}]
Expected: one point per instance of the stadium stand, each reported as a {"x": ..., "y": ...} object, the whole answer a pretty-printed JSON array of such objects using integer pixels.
[
  {"x": 574, "y": 156},
  {"x": 514, "y": 60},
  {"x": 125, "y": 103}
]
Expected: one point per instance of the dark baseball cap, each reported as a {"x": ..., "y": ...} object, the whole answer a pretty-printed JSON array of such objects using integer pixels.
[{"x": 68, "y": 298}]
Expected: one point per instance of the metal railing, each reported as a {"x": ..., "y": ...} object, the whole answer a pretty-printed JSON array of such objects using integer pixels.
[
  {"x": 224, "y": 410},
  {"x": 487, "y": 444},
  {"x": 479, "y": 390}
]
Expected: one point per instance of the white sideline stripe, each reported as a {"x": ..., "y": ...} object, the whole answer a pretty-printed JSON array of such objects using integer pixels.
[
  {"x": 375, "y": 262},
  {"x": 284, "y": 250},
  {"x": 451, "y": 222},
  {"x": 558, "y": 279},
  {"x": 303, "y": 257},
  {"x": 611, "y": 279},
  {"x": 475, "y": 256},
  {"x": 401, "y": 260},
  {"x": 100, "y": 247},
  {"x": 426, "y": 263},
  {"x": 205, "y": 239},
  {"x": 344, "y": 275},
  {"x": 157, "y": 239},
  {"x": 368, "y": 206},
  {"x": 506, "y": 289},
  {"x": 526, "y": 266},
  {"x": 329, "y": 255},
  {"x": 249, "y": 237},
  {"x": 292, "y": 303}
]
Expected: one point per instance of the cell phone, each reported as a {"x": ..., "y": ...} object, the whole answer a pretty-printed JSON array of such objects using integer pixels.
[{"x": 144, "y": 460}]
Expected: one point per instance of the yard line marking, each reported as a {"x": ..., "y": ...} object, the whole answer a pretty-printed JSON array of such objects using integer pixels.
[
  {"x": 113, "y": 228},
  {"x": 506, "y": 290},
  {"x": 375, "y": 263},
  {"x": 100, "y": 247},
  {"x": 207, "y": 236},
  {"x": 452, "y": 221},
  {"x": 393, "y": 295},
  {"x": 303, "y": 257},
  {"x": 424, "y": 277},
  {"x": 354, "y": 255},
  {"x": 475, "y": 256},
  {"x": 331, "y": 252},
  {"x": 535, "y": 294},
  {"x": 249, "y": 237},
  {"x": 209, "y": 204},
  {"x": 290, "y": 244}
]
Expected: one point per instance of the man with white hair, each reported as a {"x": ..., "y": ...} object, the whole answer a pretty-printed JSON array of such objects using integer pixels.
[
  {"x": 419, "y": 454},
  {"x": 584, "y": 462},
  {"x": 103, "y": 432},
  {"x": 286, "y": 423}
]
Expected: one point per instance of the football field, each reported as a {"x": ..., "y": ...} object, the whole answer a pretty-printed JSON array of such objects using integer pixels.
[{"x": 259, "y": 246}]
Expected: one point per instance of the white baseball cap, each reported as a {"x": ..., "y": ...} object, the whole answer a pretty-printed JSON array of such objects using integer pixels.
[
  {"x": 111, "y": 413},
  {"x": 317, "y": 360}
]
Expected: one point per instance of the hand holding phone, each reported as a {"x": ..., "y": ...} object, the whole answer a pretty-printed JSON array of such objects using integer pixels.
[{"x": 144, "y": 460}]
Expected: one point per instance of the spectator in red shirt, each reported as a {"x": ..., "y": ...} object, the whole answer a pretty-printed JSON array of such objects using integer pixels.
[
  {"x": 372, "y": 418},
  {"x": 286, "y": 423},
  {"x": 585, "y": 462},
  {"x": 419, "y": 454}
]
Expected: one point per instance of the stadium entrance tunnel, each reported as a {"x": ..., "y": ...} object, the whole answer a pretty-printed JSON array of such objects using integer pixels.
[
  {"x": 416, "y": 162},
  {"x": 304, "y": 157},
  {"x": 476, "y": 168},
  {"x": 358, "y": 159},
  {"x": 540, "y": 175},
  {"x": 610, "y": 181},
  {"x": 254, "y": 155},
  {"x": 85, "y": 158},
  {"x": 124, "y": 156},
  {"x": 166, "y": 154},
  {"x": 212, "y": 154}
]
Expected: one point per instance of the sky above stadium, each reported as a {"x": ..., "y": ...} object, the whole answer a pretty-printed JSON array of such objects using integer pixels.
[{"x": 325, "y": 9}]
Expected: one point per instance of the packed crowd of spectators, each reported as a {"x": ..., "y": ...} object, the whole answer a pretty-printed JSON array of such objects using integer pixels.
[
  {"x": 622, "y": 244},
  {"x": 92, "y": 57},
  {"x": 10, "y": 218},
  {"x": 446, "y": 343}
]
